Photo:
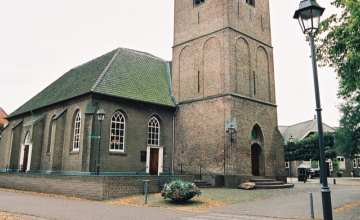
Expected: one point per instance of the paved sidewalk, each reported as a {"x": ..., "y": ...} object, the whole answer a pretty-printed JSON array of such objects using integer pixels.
[{"x": 287, "y": 205}]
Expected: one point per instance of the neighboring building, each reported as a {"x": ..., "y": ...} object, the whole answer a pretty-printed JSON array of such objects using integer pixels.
[
  {"x": 3, "y": 115},
  {"x": 304, "y": 130},
  {"x": 3, "y": 121},
  {"x": 162, "y": 114}
]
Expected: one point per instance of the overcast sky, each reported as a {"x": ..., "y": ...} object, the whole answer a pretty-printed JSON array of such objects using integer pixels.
[{"x": 40, "y": 40}]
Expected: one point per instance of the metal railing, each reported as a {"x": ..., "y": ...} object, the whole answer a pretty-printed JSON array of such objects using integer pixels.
[{"x": 202, "y": 167}]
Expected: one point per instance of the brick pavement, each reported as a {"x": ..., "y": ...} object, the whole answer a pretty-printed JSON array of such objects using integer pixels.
[{"x": 285, "y": 206}]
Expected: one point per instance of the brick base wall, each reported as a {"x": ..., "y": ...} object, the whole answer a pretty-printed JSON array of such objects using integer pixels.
[{"x": 87, "y": 187}]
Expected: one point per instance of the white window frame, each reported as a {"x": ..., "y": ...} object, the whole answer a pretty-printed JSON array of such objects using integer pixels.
[
  {"x": 153, "y": 132},
  {"x": 341, "y": 160},
  {"x": 287, "y": 164},
  {"x": 331, "y": 167},
  {"x": 117, "y": 132},
  {"x": 356, "y": 163},
  {"x": 77, "y": 133}
]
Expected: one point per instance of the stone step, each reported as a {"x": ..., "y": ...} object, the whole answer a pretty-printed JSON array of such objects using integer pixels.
[
  {"x": 279, "y": 186},
  {"x": 262, "y": 180},
  {"x": 269, "y": 183},
  {"x": 203, "y": 184}
]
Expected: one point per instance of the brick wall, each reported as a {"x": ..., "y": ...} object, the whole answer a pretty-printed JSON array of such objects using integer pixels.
[{"x": 88, "y": 187}]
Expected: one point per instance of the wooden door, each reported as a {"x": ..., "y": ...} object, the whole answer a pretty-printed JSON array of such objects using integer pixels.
[
  {"x": 154, "y": 161},
  {"x": 25, "y": 158},
  {"x": 255, "y": 160}
]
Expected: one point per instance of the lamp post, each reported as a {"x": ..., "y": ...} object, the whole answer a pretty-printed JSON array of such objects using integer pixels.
[
  {"x": 231, "y": 130},
  {"x": 308, "y": 15},
  {"x": 101, "y": 116}
]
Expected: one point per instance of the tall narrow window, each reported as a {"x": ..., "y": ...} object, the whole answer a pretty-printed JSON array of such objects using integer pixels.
[
  {"x": 117, "y": 132},
  {"x": 238, "y": 10},
  {"x": 254, "y": 79},
  {"x": 262, "y": 23},
  {"x": 153, "y": 131},
  {"x": 51, "y": 134},
  {"x": 77, "y": 126},
  {"x": 198, "y": 79},
  {"x": 198, "y": 2}
]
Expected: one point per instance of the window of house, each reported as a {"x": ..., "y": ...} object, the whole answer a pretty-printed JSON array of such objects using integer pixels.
[
  {"x": 77, "y": 126},
  {"x": 341, "y": 160},
  {"x": 251, "y": 2},
  {"x": 198, "y": 2},
  {"x": 356, "y": 163},
  {"x": 117, "y": 132},
  {"x": 153, "y": 131},
  {"x": 287, "y": 164},
  {"x": 331, "y": 168}
]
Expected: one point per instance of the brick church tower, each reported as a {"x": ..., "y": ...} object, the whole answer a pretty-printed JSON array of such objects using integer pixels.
[{"x": 223, "y": 77}]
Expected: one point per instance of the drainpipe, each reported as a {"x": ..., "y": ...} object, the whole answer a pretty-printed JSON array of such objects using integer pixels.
[{"x": 173, "y": 121}]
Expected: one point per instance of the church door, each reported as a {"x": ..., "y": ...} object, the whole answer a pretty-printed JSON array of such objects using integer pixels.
[
  {"x": 25, "y": 158},
  {"x": 255, "y": 153},
  {"x": 154, "y": 161}
]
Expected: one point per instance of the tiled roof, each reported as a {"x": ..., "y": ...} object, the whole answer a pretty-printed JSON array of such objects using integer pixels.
[
  {"x": 121, "y": 73},
  {"x": 301, "y": 130}
]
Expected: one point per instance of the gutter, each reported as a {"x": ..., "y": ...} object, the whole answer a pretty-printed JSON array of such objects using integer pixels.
[{"x": 173, "y": 120}]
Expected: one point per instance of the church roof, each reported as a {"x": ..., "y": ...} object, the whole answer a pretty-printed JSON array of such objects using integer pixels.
[
  {"x": 122, "y": 73},
  {"x": 302, "y": 130}
]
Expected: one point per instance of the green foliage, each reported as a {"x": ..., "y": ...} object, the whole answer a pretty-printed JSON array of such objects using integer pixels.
[
  {"x": 308, "y": 148},
  {"x": 336, "y": 164},
  {"x": 178, "y": 190},
  {"x": 338, "y": 44},
  {"x": 314, "y": 164},
  {"x": 347, "y": 136}
]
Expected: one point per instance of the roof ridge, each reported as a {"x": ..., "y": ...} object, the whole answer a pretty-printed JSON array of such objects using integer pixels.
[
  {"x": 105, "y": 70},
  {"x": 145, "y": 54},
  {"x": 298, "y": 123}
]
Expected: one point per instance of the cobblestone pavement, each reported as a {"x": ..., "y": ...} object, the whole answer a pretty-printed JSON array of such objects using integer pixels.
[{"x": 291, "y": 204}]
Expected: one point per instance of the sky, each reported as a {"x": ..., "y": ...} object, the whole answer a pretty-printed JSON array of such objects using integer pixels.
[{"x": 40, "y": 40}]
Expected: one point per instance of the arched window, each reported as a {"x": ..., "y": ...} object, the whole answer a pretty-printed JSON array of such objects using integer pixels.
[
  {"x": 51, "y": 134},
  {"x": 117, "y": 132},
  {"x": 198, "y": 2},
  {"x": 153, "y": 131},
  {"x": 77, "y": 126},
  {"x": 251, "y": 2}
]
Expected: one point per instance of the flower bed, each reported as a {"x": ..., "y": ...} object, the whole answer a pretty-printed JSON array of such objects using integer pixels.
[{"x": 178, "y": 190}]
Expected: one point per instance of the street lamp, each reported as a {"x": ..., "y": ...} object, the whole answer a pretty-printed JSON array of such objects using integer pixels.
[
  {"x": 230, "y": 127},
  {"x": 308, "y": 16},
  {"x": 101, "y": 116},
  {"x": 291, "y": 139}
]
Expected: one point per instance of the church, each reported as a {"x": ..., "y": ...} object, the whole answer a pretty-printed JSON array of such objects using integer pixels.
[{"x": 212, "y": 107}]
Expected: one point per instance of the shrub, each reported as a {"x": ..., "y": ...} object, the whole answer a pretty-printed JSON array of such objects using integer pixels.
[{"x": 178, "y": 190}]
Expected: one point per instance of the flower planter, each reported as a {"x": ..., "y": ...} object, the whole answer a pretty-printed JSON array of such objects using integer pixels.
[{"x": 179, "y": 191}]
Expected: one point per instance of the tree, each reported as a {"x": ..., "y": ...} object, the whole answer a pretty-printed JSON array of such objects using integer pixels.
[
  {"x": 347, "y": 136},
  {"x": 338, "y": 46},
  {"x": 308, "y": 148}
]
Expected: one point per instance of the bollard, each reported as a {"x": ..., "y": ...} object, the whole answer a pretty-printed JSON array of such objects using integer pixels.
[
  {"x": 146, "y": 188},
  {"x": 311, "y": 206},
  {"x": 334, "y": 181}
]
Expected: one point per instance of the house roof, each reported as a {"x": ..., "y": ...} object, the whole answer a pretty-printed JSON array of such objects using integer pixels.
[
  {"x": 120, "y": 73},
  {"x": 303, "y": 129}
]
